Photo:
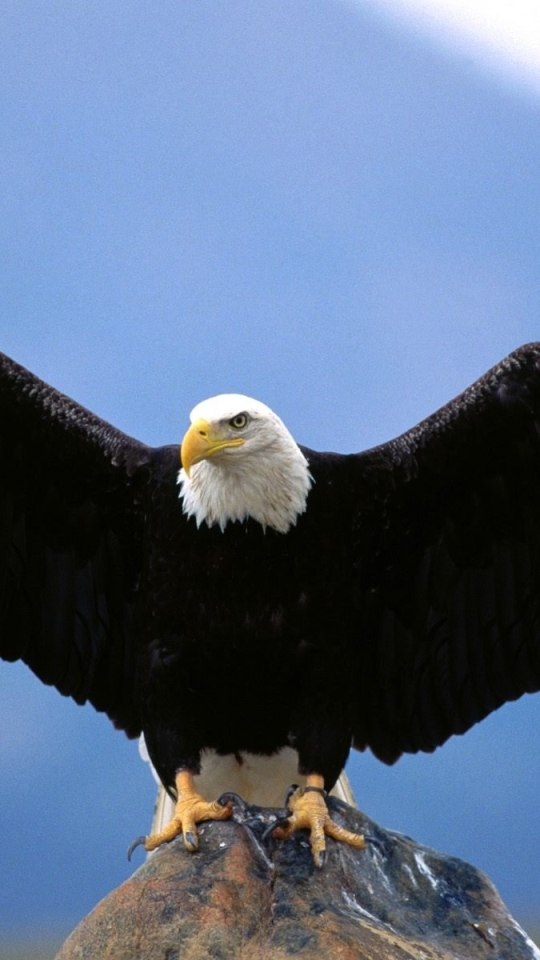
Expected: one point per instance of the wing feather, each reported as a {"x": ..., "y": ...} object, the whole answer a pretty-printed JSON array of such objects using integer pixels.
[
  {"x": 70, "y": 544},
  {"x": 447, "y": 554}
]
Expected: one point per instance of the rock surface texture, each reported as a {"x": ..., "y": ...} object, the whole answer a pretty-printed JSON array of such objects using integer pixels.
[{"x": 240, "y": 898}]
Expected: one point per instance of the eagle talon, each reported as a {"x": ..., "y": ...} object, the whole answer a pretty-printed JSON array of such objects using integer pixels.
[
  {"x": 292, "y": 789},
  {"x": 373, "y": 841},
  {"x": 139, "y": 842},
  {"x": 191, "y": 841},
  {"x": 190, "y": 810},
  {"x": 227, "y": 799},
  {"x": 280, "y": 822},
  {"x": 308, "y": 810}
]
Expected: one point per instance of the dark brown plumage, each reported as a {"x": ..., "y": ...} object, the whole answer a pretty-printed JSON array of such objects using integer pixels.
[{"x": 402, "y": 607}]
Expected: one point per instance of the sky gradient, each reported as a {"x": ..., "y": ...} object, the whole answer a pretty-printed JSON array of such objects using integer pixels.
[
  {"x": 502, "y": 39},
  {"x": 300, "y": 201}
]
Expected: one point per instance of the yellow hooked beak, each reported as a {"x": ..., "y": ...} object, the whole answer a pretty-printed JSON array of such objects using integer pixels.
[{"x": 203, "y": 441}]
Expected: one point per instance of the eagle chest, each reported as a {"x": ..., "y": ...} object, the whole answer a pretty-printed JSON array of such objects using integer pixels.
[{"x": 241, "y": 592}]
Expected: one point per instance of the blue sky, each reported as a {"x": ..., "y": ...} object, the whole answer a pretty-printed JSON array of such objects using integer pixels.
[{"x": 307, "y": 202}]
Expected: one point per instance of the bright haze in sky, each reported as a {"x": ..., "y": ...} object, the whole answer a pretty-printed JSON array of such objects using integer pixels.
[{"x": 500, "y": 36}]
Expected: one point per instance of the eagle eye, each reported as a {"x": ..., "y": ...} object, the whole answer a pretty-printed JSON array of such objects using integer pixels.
[{"x": 238, "y": 421}]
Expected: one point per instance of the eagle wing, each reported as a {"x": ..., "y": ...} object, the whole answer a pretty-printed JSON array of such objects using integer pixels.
[
  {"x": 70, "y": 544},
  {"x": 447, "y": 564}
]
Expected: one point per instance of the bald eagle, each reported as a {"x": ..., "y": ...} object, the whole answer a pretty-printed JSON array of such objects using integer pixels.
[{"x": 258, "y": 598}]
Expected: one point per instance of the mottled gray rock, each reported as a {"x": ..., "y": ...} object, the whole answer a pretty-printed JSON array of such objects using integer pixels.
[{"x": 241, "y": 899}]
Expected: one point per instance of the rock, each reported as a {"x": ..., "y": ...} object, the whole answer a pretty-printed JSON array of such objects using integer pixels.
[{"x": 241, "y": 899}]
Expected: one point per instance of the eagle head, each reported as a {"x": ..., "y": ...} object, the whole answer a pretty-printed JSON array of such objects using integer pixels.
[{"x": 239, "y": 461}]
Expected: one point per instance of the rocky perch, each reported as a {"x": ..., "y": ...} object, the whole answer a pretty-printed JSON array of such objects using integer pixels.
[{"x": 240, "y": 898}]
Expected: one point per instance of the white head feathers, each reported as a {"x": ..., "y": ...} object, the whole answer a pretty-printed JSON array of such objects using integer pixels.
[{"x": 239, "y": 461}]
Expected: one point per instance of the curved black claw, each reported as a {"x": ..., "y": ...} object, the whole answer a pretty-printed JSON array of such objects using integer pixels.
[
  {"x": 231, "y": 798},
  {"x": 279, "y": 822},
  {"x": 321, "y": 859},
  {"x": 373, "y": 840},
  {"x": 288, "y": 795},
  {"x": 140, "y": 841},
  {"x": 191, "y": 841}
]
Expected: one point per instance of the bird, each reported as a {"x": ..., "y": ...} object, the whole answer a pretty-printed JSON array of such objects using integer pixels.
[{"x": 241, "y": 600}]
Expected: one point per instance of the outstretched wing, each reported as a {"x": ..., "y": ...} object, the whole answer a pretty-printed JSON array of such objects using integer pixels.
[
  {"x": 70, "y": 543},
  {"x": 447, "y": 547}
]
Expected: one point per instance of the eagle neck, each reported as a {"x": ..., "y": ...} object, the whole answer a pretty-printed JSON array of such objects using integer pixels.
[{"x": 271, "y": 489}]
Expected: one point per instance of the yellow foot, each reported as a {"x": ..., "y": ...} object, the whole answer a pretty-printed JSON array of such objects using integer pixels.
[
  {"x": 190, "y": 810},
  {"x": 309, "y": 811}
]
